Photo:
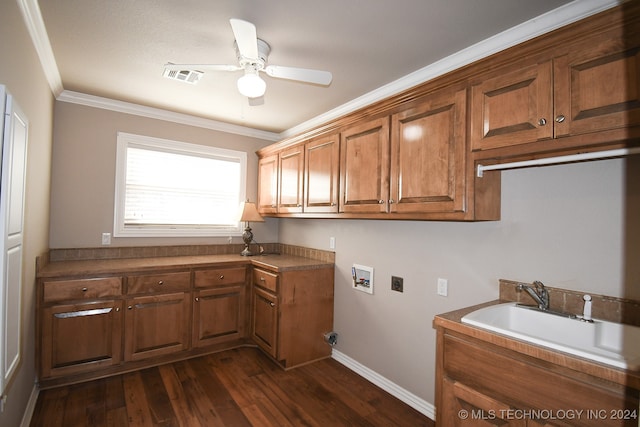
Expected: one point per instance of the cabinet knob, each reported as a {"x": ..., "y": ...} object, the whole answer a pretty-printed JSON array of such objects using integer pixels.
[
  {"x": 117, "y": 309},
  {"x": 560, "y": 118},
  {"x": 542, "y": 121},
  {"x": 160, "y": 282},
  {"x": 391, "y": 201},
  {"x": 84, "y": 289},
  {"x": 221, "y": 276},
  {"x": 262, "y": 279},
  {"x": 272, "y": 304},
  {"x": 197, "y": 299},
  {"x": 130, "y": 307},
  {"x": 380, "y": 202}
]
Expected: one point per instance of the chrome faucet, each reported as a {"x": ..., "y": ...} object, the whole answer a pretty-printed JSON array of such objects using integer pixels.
[{"x": 538, "y": 292}]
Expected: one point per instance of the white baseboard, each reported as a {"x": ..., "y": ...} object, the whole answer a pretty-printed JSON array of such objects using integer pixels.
[
  {"x": 31, "y": 406},
  {"x": 390, "y": 387}
]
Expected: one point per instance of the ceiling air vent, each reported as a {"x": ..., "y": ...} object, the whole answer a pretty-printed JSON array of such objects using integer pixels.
[{"x": 187, "y": 76}]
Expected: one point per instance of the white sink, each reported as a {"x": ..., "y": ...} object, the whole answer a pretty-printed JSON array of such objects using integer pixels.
[{"x": 614, "y": 344}]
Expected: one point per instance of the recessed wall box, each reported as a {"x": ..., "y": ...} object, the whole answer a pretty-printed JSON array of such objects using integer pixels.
[{"x": 362, "y": 277}]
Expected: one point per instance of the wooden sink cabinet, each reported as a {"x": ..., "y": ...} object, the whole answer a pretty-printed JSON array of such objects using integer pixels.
[{"x": 483, "y": 378}]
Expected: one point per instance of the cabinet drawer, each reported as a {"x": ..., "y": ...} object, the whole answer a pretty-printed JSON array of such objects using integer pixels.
[
  {"x": 63, "y": 290},
  {"x": 158, "y": 282},
  {"x": 220, "y": 277},
  {"x": 265, "y": 280}
]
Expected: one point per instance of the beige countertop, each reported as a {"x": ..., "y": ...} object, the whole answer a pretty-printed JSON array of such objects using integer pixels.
[{"x": 275, "y": 262}]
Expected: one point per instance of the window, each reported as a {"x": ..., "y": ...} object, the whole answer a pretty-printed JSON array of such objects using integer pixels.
[{"x": 168, "y": 188}]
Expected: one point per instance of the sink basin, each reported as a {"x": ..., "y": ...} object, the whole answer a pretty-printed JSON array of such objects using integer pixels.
[{"x": 614, "y": 344}]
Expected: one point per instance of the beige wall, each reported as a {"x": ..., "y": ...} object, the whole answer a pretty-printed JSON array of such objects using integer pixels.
[
  {"x": 570, "y": 226},
  {"x": 83, "y": 173},
  {"x": 21, "y": 72}
]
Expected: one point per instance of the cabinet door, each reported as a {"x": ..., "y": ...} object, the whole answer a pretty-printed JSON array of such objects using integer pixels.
[
  {"x": 268, "y": 184},
  {"x": 218, "y": 315},
  {"x": 428, "y": 155},
  {"x": 321, "y": 174},
  {"x": 264, "y": 328},
  {"x": 512, "y": 108},
  {"x": 156, "y": 325},
  {"x": 364, "y": 167},
  {"x": 597, "y": 86},
  {"x": 291, "y": 170},
  {"x": 80, "y": 337},
  {"x": 464, "y": 406}
]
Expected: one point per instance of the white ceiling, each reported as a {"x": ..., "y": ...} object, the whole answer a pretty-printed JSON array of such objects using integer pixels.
[{"x": 116, "y": 49}]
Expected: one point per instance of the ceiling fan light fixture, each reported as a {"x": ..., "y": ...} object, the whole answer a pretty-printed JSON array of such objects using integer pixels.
[{"x": 251, "y": 85}]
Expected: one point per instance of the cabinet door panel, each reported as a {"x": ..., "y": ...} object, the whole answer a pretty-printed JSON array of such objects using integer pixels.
[
  {"x": 265, "y": 320},
  {"x": 364, "y": 167},
  {"x": 513, "y": 108},
  {"x": 291, "y": 166},
  {"x": 597, "y": 88},
  {"x": 268, "y": 184},
  {"x": 428, "y": 155},
  {"x": 156, "y": 325},
  {"x": 321, "y": 175},
  {"x": 80, "y": 337},
  {"x": 218, "y": 315},
  {"x": 464, "y": 406}
]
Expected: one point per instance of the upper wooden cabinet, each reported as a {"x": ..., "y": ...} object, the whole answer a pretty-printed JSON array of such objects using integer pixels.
[
  {"x": 268, "y": 184},
  {"x": 428, "y": 147},
  {"x": 290, "y": 179},
  {"x": 321, "y": 174},
  {"x": 512, "y": 108},
  {"x": 364, "y": 167},
  {"x": 585, "y": 93}
]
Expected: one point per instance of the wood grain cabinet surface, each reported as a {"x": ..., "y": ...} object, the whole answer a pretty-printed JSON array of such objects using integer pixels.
[
  {"x": 292, "y": 310},
  {"x": 482, "y": 379},
  {"x": 96, "y": 325}
]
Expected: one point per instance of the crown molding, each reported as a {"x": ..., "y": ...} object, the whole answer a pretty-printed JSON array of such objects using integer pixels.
[
  {"x": 564, "y": 15},
  {"x": 160, "y": 114},
  {"x": 557, "y": 18},
  {"x": 38, "y": 32}
]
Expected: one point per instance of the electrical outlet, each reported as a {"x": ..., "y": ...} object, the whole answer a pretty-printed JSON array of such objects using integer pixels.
[
  {"x": 397, "y": 284},
  {"x": 106, "y": 239},
  {"x": 443, "y": 287}
]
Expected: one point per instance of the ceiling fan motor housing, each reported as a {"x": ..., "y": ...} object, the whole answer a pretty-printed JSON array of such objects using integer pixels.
[{"x": 259, "y": 62}]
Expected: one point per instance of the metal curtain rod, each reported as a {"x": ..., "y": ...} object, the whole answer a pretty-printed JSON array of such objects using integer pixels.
[{"x": 560, "y": 159}]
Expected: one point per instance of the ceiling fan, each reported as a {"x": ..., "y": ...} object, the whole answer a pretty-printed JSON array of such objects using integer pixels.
[{"x": 252, "y": 54}]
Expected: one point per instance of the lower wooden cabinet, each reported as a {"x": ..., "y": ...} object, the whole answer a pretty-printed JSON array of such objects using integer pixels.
[
  {"x": 89, "y": 327},
  {"x": 80, "y": 337},
  {"x": 156, "y": 325},
  {"x": 291, "y": 312},
  {"x": 482, "y": 383},
  {"x": 264, "y": 330}
]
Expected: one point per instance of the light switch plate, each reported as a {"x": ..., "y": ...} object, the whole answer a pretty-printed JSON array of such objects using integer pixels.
[{"x": 443, "y": 287}]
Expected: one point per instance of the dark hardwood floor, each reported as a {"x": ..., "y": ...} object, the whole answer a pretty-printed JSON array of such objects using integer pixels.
[{"x": 235, "y": 388}]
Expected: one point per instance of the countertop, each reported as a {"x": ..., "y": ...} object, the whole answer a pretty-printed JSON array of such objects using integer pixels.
[
  {"x": 452, "y": 321},
  {"x": 274, "y": 262}
]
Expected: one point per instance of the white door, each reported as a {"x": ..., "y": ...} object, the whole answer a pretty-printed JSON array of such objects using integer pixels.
[{"x": 12, "y": 189}]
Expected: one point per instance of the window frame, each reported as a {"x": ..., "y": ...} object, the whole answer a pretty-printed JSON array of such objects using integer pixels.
[{"x": 126, "y": 140}]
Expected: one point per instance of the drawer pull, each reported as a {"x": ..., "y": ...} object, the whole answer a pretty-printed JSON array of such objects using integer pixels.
[
  {"x": 84, "y": 289},
  {"x": 221, "y": 276},
  {"x": 160, "y": 282},
  {"x": 262, "y": 279}
]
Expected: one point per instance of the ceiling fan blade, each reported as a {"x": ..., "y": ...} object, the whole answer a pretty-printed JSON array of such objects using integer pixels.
[
  {"x": 300, "y": 74},
  {"x": 212, "y": 67},
  {"x": 246, "y": 38}
]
